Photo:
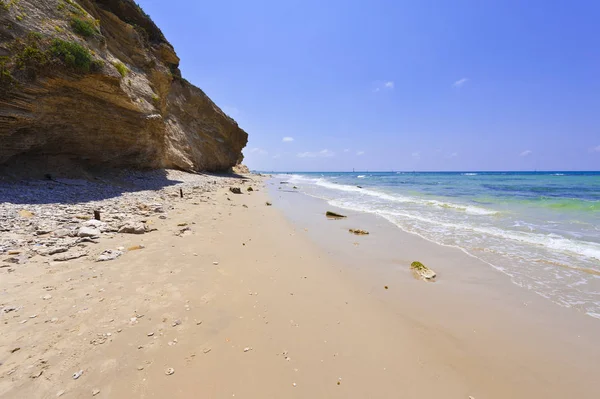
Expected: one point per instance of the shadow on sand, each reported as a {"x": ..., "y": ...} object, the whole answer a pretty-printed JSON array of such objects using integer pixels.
[{"x": 53, "y": 190}]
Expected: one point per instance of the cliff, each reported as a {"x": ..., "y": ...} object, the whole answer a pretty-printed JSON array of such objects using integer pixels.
[{"x": 95, "y": 82}]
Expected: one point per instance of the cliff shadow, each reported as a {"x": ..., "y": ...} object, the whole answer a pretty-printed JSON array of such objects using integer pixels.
[{"x": 63, "y": 190}]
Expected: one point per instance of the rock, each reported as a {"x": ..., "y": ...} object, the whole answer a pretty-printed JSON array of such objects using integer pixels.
[
  {"x": 247, "y": 349},
  {"x": 102, "y": 226},
  {"x": 176, "y": 124},
  {"x": 359, "y": 232},
  {"x": 250, "y": 189},
  {"x": 176, "y": 323},
  {"x": 26, "y": 214},
  {"x": 88, "y": 232},
  {"x": 235, "y": 190},
  {"x": 46, "y": 297},
  {"x": 95, "y": 392},
  {"x": 268, "y": 203},
  {"x": 60, "y": 393},
  {"x": 333, "y": 215},
  {"x": 422, "y": 271},
  {"x": 216, "y": 263},
  {"x": 133, "y": 228},
  {"x": 77, "y": 374},
  {"x": 170, "y": 371},
  {"x": 109, "y": 254},
  {"x": 52, "y": 250},
  {"x": 150, "y": 334},
  {"x": 69, "y": 256}
]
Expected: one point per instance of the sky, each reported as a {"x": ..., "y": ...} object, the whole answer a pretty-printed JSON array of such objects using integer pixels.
[{"x": 398, "y": 85}]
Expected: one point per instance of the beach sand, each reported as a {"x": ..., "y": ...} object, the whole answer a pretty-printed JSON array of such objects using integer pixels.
[{"x": 258, "y": 301}]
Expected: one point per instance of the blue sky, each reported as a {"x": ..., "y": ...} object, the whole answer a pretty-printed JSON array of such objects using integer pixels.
[{"x": 398, "y": 85}]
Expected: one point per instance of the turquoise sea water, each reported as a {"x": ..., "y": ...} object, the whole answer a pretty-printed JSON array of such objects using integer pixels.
[{"x": 542, "y": 229}]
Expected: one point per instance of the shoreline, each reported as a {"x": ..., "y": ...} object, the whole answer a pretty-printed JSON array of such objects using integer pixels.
[{"x": 247, "y": 303}]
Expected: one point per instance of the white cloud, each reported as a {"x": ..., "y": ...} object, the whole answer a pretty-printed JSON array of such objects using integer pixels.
[
  {"x": 257, "y": 150},
  {"x": 287, "y": 139},
  {"x": 359, "y": 153},
  {"x": 595, "y": 149},
  {"x": 416, "y": 154},
  {"x": 384, "y": 85},
  {"x": 459, "y": 83},
  {"x": 276, "y": 156},
  {"x": 454, "y": 155},
  {"x": 525, "y": 153},
  {"x": 347, "y": 150},
  {"x": 319, "y": 154}
]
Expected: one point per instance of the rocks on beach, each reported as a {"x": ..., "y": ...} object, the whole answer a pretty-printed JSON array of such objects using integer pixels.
[
  {"x": 358, "y": 232},
  {"x": 334, "y": 215},
  {"x": 422, "y": 271},
  {"x": 55, "y": 218}
]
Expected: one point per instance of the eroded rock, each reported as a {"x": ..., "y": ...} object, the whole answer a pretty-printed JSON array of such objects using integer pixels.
[{"x": 422, "y": 271}]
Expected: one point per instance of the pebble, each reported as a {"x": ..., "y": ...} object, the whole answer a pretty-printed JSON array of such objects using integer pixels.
[
  {"x": 77, "y": 374},
  {"x": 248, "y": 349},
  {"x": 176, "y": 323},
  {"x": 95, "y": 392},
  {"x": 60, "y": 393},
  {"x": 170, "y": 371},
  {"x": 46, "y": 297},
  {"x": 150, "y": 334},
  {"x": 215, "y": 263},
  {"x": 140, "y": 368}
]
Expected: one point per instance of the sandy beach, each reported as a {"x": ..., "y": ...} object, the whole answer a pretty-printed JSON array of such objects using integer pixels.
[{"x": 226, "y": 296}]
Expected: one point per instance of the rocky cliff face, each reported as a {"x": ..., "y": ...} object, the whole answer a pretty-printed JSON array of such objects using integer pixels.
[{"x": 95, "y": 82}]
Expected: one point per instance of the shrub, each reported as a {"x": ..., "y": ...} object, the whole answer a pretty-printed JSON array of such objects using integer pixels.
[
  {"x": 83, "y": 27},
  {"x": 97, "y": 65},
  {"x": 73, "y": 54},
  {"x": 123, "y": 70}
]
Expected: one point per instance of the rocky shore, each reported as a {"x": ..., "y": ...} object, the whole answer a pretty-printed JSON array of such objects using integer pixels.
[{"x": 54, "y": 219}]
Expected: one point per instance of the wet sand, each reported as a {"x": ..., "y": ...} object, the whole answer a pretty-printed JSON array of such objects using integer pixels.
[{"x": 291, "y": 309}]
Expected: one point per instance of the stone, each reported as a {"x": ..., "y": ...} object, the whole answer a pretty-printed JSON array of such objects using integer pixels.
[
  {"x": 422, "y": 271},
  {"x": 235, "y": 190},
  {"x": 250, "y": 189},
  {"x": 333, "y": 215},
  {"x": 133, "y": 228},
  {"x": 170, "y": 371},
  {"x": 109, "y": 254},
  {"x": 358, "y": 232},
  {"x": 26, "y": 214},
  {"x": 77, "y": 374},
  {"x": 88, "y": 232},
  {"x": 69, "y": 256},
  {"x": 95, "y": 392},
  {"x": 52, "y": 250},
  {"x": 268, "y": 203},
  {"x": 102, "y": 226}
]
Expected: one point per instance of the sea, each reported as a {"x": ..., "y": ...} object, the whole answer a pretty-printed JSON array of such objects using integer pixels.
[{"x": 541, "y": 229}]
